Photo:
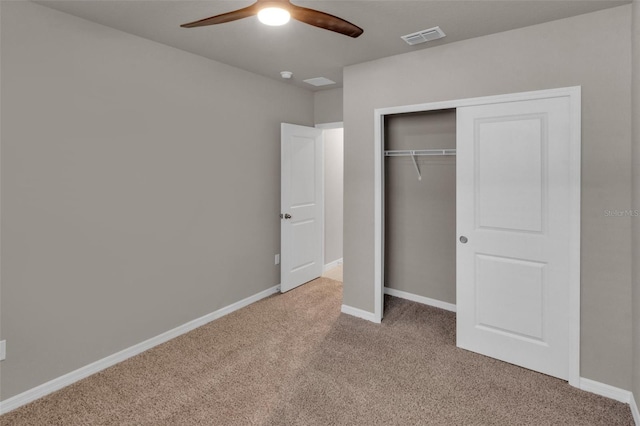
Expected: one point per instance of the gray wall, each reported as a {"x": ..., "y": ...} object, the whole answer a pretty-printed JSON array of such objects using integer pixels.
[
  {"x": 555, "y": 54},
  {"x": 636, "y": 197},
  {"x": 140, "y": 189},
  {"x": 327, "y": 106},
  {"x": 420, "y": 215},
  {"x": 333, "y": 194}
]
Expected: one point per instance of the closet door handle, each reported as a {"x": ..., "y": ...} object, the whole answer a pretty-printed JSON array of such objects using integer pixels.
[
  {"x": 463, "y": 239},
  {"x": 287, "y": 216}
]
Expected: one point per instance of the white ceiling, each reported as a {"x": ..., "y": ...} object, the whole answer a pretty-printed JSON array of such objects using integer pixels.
[{"x": 311, "y": 52}]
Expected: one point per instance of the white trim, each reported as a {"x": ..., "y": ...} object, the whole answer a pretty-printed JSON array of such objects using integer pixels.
[
  {"x": 334, "y": 125},
  {"x": 86, "y": 371},
  {"x": 507, "y": 97},
  {"x": 574, "y": 95},
  {"x": 420, "y": 299},
  {"x": 634, "y": 410},
  {"x": 332, "y": 265},
  {"x": 605, "y": 390},
  {"x": 322, "y": 198},
  {"x": 378, "y": 215},
  {"x": 359, "y": 313},
  {"x": 575, "y": 150}
]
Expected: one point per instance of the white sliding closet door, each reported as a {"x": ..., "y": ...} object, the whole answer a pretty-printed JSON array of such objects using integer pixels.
[{"x": 513, "y": 224}]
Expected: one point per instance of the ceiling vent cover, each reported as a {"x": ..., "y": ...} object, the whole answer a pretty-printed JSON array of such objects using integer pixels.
[
  {"x": 319, "y": 81},
  {"x": 424, "y": 36}
]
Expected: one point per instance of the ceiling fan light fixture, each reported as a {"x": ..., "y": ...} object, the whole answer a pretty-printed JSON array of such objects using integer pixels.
[
  {"x": 274, "y": 16},
  {"x": 278, "y": 12}
]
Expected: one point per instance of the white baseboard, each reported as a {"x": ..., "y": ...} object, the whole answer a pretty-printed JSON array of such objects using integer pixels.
[
  {"x": 331, "y": 265},
  {"x": 605, "y": 390},
  {"x": 420, "y": 299},
  {"x": 86, "y": 371},
  {"x": 634, "y": 410},
  {"x": 350, "y": 310}
]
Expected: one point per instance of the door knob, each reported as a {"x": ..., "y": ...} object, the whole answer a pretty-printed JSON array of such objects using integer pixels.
[
  {"x": 287, "y": 216},
  {"x": 463, "y": 239}
]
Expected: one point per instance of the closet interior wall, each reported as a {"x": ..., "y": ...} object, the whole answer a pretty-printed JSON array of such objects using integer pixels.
[{"x": 420, "y": 215}]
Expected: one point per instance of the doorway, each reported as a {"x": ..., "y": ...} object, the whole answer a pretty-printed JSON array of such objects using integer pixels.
[
  {"x": 420, "y": 206},
  {"x": 333, "y": 141},
  {"x": 311, "y": 203}
]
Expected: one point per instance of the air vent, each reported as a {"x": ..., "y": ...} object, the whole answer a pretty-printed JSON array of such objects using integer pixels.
[
  {"x": 319, "y": 81},
  {"x": 424, "y": 36}
]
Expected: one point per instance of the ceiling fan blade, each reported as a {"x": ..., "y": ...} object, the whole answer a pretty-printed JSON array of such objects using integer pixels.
[
  {"x": 324, "y": 20},
  {"x": 225, "y": 17}
]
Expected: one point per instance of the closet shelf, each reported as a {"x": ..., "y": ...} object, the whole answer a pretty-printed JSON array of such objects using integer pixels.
[
  {"x": 413, "y": 153},
  {"x": 418, "y": 152}
]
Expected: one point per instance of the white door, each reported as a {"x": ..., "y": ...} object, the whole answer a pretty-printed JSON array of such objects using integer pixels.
[
  {"x": 302, "y": 207},
  {"x": 513, "y": 220}
]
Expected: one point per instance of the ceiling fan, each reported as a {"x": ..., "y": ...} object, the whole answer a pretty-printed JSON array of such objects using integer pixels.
[{"x": 278, "y": 12}]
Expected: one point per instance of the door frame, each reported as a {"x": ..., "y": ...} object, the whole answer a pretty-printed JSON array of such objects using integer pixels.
[
  {"x": 323, "y": 127},
  {"x": 574, "y": 95}
]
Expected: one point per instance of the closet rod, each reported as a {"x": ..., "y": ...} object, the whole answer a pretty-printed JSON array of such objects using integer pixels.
[{"x": 418, "y": 152}]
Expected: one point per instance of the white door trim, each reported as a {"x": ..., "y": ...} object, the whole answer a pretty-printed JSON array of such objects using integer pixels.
[
  {"x": 327, "y": 126},
  {"x": 574, "y": 95}
]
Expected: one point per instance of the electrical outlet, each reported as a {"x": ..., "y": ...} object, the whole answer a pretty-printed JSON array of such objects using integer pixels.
[
  {"x": 3, "y": 349},
  {"x": 277, "y": 259}
]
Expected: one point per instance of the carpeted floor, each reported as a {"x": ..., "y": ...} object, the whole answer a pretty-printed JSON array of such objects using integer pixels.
[{"x": 293, "y": 359}]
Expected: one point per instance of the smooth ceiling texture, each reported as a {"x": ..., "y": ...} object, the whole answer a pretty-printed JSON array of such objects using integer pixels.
[{"x": 311, "y": 52}]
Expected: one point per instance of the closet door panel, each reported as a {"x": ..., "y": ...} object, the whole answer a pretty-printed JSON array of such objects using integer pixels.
[
  {"x": 513, "y": 221},
  {"x": 510, "y": 194}
]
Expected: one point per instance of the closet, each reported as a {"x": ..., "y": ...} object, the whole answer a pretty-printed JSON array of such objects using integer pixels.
[
  {"x": 420, "y": 206},
  {"x": 477, "y": 210}
]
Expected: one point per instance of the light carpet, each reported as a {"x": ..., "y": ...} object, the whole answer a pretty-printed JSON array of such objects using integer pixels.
[{"x": 294, "y": 359}]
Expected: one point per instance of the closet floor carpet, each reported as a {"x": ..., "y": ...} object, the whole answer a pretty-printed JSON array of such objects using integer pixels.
[{"x": 293, "y": 359}]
